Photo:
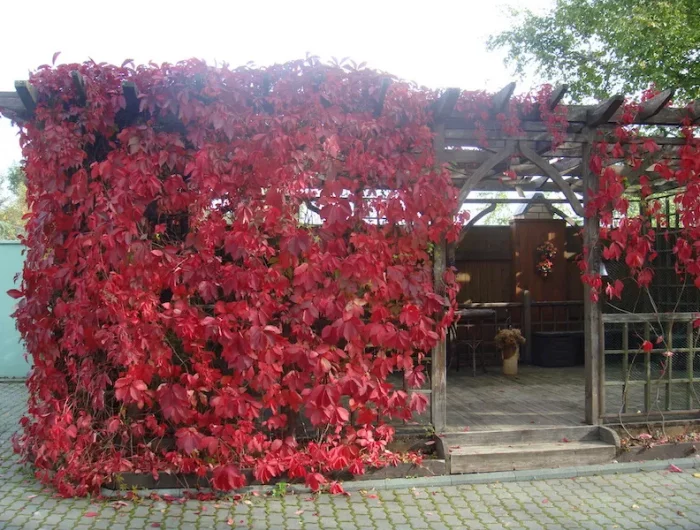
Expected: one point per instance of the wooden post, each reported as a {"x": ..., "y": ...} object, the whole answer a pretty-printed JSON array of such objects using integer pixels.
[
  {"x": 592, "y": 311},
  {"x": 527, "y": 325},
  {"x": 438, "y": 365}
]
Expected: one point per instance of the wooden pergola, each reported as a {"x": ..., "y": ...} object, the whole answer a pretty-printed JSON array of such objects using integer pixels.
[
  {"x": 540, "y": 167},
  {"x": 537, "y": 165}
]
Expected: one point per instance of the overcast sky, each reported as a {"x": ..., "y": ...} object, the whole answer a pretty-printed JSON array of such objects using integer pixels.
[{"x": 437, "y": 43}]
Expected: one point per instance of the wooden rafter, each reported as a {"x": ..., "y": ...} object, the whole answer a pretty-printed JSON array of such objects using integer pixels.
[
  {"x": 500, "y": 99},
  {"x": 79, "y": 85},
  {"x": 603, "y": 112},
  {"x": 27, "y": 95},
  {"x": 653, "y": 106},
  {"x": 446, "y": 104},
  {"x": 557, "y": 95},
  {"x": 379, "y": 107}
]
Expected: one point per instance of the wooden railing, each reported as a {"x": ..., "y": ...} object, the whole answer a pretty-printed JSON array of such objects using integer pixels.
[
  {"x": 529, "y": 317},
  {"x": 648, "y": 383}
]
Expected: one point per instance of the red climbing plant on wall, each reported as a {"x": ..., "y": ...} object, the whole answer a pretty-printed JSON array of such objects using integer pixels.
[{"x": 180, "y": 312}]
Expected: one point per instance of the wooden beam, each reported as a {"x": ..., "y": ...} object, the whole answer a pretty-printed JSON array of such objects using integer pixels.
[
  {"x": 473, "y": 220},
  {"x": 438, "y": 364},
  {"x": 557, "y": 95},
  {"x": 653, "y": 106},
  {"x": 500, "y": 99},
  {"x": 603, "y": 112},
  {"x": 381, "y": 96},
  {"x": 553, "y": 174},
  {"x": 524, "y": 200},
  {"x": 446, "y": 104},
  {"x": 673, "y": 116},
  {"x": 79, "y": 85},
  {"x": 10, "y": 101},
  {"x": 476, "y": 177},
  {"x": 557, "y": 211},
  {"x": 27, "y": 93}
]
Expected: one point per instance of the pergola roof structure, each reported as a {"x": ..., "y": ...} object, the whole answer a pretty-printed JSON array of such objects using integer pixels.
[{"x": 529, "y": 154}]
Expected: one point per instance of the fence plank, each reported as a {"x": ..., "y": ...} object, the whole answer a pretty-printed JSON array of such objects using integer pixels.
[
  {"x": 625, "y": 364},
  {"x": 647, "y": 369},
  {"x": 669, "y": 365},
  {"x": 690, "y": 345},
  {"x": 621, "y": 318}
]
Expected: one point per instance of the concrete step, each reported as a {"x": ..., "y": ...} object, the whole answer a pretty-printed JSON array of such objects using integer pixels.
[
  {"x": 531, "y": 435},
  {"x": 480, "y": 459},
  {"x": 488, "y": 451}
]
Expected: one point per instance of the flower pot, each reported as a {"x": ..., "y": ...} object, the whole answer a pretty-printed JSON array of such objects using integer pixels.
[{"x": 510, "y": 360}]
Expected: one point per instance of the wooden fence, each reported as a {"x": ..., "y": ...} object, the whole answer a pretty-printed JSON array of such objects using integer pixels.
[{"x": 642, "y": 383}]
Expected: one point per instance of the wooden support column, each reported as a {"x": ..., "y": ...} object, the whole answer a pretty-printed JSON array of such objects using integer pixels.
[
  {"x": 438, "y": 365},
  {"x": 438, "y": 375},
  {"x": 527, "y": 325},
  {"x": 592, "y": 311}
]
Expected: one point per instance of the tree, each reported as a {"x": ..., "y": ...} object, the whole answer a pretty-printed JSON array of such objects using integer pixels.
[
  {"x": 13, "y": 205},
  {"x": 601, "y": 47}
]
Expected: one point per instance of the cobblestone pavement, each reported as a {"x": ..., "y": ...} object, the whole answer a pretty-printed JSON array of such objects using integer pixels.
[{"x": 640, "y": 501}]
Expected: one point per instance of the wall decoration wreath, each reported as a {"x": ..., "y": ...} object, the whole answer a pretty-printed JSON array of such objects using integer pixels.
[{"x": 547, "y": 252}]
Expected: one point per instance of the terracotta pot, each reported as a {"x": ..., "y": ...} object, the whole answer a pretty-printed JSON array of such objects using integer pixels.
[{"x": 510, "y": 360}]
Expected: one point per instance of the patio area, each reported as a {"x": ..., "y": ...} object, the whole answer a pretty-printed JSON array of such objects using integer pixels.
[{"x": 536, "y": 397}]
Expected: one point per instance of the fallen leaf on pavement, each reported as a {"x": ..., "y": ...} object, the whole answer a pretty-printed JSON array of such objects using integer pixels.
[
  {"x": 696, "y": 475},
  {"x": 90, "y": 514},
  {"x": 299, "y": 512},
  {"x": 675, "y": 469}
]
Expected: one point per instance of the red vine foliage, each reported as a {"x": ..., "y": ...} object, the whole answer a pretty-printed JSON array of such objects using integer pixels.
[
  {"x": 633, "y": 157},
  {"x": 181, "y": 316}
]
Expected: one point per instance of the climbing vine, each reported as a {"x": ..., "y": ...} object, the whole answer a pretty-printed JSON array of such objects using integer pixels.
[{"x": 180, "y": 316}]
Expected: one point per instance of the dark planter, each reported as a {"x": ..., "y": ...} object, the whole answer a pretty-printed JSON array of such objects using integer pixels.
[{"x": 554, "y": 349}]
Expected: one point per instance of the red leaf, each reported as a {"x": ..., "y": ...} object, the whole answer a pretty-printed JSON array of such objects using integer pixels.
[
  {"x": 91, "y": 514},
  {"x": 14, "y": 293},
  {"x": 227, "y": 478},
  {"x": 174, "y": 402}
]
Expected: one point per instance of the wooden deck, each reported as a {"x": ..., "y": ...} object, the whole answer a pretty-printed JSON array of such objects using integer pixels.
[{"x": 537, "y": 397}]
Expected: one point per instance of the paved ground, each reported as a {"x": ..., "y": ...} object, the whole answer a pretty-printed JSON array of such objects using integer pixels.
[{"x": 640, "y": 501}]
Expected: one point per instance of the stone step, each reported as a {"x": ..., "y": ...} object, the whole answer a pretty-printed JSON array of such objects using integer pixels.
[
  {"x": 534, "y": 435},
  {"x": 537, "y": 455}
]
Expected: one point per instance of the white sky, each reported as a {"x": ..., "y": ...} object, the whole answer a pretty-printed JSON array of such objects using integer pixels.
[{"x": 437, "y": 43}]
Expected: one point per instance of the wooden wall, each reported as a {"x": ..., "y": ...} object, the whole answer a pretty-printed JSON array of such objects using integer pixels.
[
  {"x": 486, "y": 269},
  {"x": 485, "y": 265}
]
